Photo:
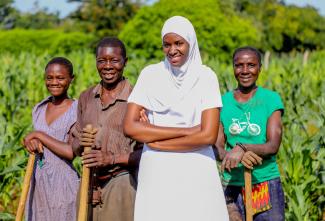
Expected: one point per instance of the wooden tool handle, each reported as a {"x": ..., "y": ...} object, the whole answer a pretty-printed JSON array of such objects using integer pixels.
[
  {"x": 26, "y": 184},
  {"x": 83, "y": 201},
  {"x": 248, "y": 194}
]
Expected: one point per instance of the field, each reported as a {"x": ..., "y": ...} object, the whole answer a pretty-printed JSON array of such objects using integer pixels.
[{"x": 301, "y": 157}]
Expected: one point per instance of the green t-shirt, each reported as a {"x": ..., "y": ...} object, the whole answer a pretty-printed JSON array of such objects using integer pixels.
[{"x": 247, "y": 123}]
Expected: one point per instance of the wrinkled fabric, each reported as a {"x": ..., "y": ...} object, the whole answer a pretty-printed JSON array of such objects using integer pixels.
[
  {"x": 177, "y": 186},
  {"x": 118, "y": 194},
  {"x": 55, "y": 182}
]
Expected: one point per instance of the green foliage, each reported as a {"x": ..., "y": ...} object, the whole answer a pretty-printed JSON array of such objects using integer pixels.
[
  {"x": 6, "y": 13},
  {"x": 284, "y": 28},
  {"x": 12, "y": 164},
  {"x": 301, "y": 156},
  {"x": 5, "y": 8},
  {"x": 39, "y": 20},
  {"x": 217, "y": 33},
  {"x": 38, "y": 41},
  {"x": 106, "y": 17},
  {"x": 221, "y": 26},
  {"x": 21, "y": 77}
]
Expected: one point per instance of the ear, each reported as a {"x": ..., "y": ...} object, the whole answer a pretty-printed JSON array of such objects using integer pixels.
[
  {"x": 125, "y": 61},
  {"x": 72, "y": 78}
]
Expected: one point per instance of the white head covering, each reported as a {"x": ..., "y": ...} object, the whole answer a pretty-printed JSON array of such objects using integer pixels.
[
  {"x": 162, "y": 86},
  {"x": 185, "y": 75}
]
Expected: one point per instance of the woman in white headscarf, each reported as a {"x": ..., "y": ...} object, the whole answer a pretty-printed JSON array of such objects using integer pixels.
[{"x": 178, "y": 178}]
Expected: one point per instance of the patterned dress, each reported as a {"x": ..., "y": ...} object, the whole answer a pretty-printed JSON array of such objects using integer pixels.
[{"x": 55, "y": 182}]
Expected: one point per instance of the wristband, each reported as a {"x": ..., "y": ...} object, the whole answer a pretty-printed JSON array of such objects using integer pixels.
[{"x": 241, "y": 146}]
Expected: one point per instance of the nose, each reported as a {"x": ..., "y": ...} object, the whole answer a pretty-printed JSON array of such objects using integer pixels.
[
  {"x": 173, "y": 50},
  {"x": 54, "y": 81},
  {"x": 245, "y": 69},
  {"x": 107, "y": 65}
]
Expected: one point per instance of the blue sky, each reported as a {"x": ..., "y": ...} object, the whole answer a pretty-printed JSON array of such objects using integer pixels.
[
  {"x": 62, "y": 6},
  {"x": 65, "y": 8}
]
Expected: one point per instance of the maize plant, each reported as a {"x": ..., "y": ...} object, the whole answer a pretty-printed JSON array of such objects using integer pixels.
[{"x": 301, "y": 157}]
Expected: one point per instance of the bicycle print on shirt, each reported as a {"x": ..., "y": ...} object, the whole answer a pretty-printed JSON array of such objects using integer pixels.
[{"x": 238, "y": 127}]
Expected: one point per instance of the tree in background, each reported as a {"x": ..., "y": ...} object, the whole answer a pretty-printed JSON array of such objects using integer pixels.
[
  {"x": 219, "y": 31},
  {"x": 106, "y": 17},
  {"x": 38, "y": 19},
  {"x": 221, "y": 26},
  {"x": 7, "y": 13},
  {"x": 284, "y": 28}
]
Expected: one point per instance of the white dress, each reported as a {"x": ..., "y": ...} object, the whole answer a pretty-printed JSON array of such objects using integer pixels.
[{"x": 178, "y": 186}]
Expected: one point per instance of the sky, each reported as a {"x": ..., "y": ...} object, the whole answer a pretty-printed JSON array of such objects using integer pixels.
[
  {"x": 61, "y": 6},
  {"x": 318, "y": 4},
  {"x": 64, "y": 8}
]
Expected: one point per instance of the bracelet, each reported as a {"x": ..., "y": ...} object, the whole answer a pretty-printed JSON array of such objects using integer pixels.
[{"x": 241, "y": 146}]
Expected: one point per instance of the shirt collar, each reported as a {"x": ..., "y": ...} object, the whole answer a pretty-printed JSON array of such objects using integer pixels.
[
  {"x": 44, "y": 101},
  {"x": 122, "y": 96}
]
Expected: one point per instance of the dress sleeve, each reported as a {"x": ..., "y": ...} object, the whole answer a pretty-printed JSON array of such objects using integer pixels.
[
  {"x": 139, "y": 92},
  {"x": 275, "y": 104},
  {"x": 211, "y": 97}
]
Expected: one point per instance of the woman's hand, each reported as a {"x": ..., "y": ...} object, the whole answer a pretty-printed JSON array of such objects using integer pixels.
[
  {"x": 137, "y": 126},
  {"x": 143, "y": 116},
  {"x": 32, "y": 142},
  {"x": 250, "y": 159},
  {"x": 97, "y": 158},
  {"x": 232, "y": 158}
]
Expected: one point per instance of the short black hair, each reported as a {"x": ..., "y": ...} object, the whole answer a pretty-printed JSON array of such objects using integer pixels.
[
  {"x": 248, "y": 48},
  {"x": 111, "y": 42},
  {"x": 62, "y": 61}
]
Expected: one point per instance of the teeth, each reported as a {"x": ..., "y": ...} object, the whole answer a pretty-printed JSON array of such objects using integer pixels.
[{"x": 245, "y": 79}]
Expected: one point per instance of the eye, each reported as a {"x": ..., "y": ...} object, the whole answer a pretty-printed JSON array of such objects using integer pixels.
[
  {"x": 166, "y": 45},
  {"x": 251, "y": 65},
  {"x": 238, "y": 65},
  {"x": 179, "y": 43},
  {"x": 115, "y": 60},
  {"x": 100, "y": 61}
]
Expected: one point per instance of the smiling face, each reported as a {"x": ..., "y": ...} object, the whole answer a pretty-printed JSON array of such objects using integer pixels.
[
  {"x": 110, "y": 64},
  {"x": 246, "y": 68},
  {"x": 57, "y": 79},
  {"x": 176, "y": 49}
]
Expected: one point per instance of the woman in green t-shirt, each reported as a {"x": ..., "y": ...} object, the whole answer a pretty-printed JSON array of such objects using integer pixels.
[{"x": 250, "y": 136}]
